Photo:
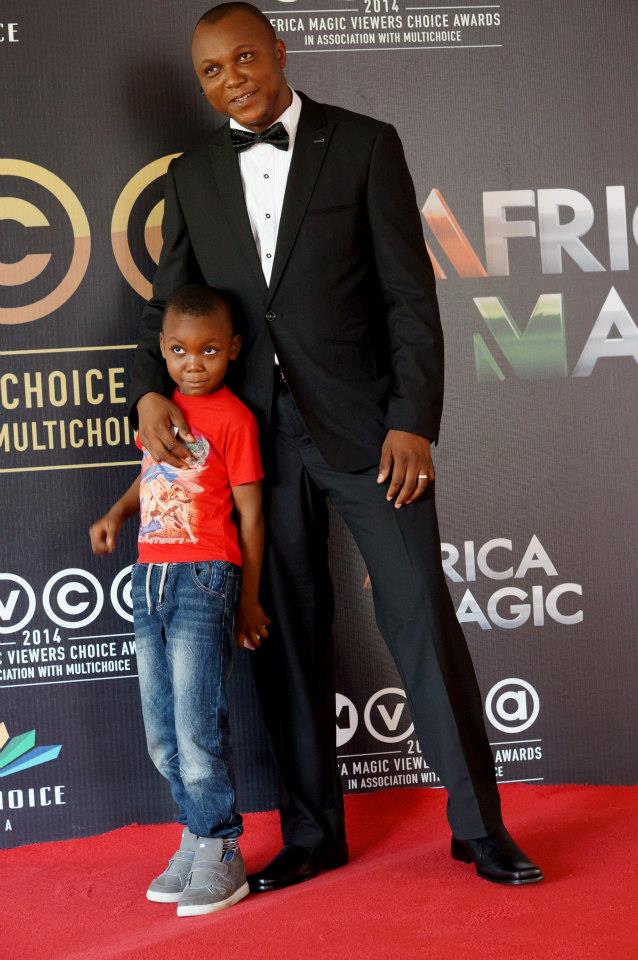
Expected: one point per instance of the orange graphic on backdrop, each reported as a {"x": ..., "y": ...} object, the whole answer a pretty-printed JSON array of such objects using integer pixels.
[{"x": 453, "y": 240}]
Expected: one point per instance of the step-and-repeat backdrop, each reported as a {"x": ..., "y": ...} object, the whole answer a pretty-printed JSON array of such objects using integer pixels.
[{"x": 518, "y": 121}]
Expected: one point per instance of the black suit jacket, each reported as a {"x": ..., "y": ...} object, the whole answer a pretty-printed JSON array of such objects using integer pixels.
[{"x": 351, "y": 307}]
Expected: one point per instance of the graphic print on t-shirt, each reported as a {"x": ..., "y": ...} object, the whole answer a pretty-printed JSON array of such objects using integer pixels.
[
  {"x": 187, "y": 512},
  {"x": 168, "y": 497}
]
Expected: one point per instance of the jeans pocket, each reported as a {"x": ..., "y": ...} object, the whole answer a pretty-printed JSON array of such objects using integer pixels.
[
  {"x": 133, "y": 580},
  {"x": 211, "y": 576},
  {"x": 234, "y": 596}
]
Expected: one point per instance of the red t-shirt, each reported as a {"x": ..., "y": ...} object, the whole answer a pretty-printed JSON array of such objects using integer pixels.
[{"x": 185, "y": 514}]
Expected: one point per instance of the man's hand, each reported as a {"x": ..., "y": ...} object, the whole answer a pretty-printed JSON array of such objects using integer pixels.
[
  {"x": 251, "y": 624},
  {"x": 103, "y": 532},
  {"x": 406, "y": 458},
  {"x": 157, "y": 416}
]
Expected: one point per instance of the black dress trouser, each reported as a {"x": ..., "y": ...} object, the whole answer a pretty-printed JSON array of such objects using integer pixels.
[{"x": 294, "y": 668}]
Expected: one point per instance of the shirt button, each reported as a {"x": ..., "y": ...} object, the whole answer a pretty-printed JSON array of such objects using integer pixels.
[
  {"x": 267, "y": 216},
  {"x": 269, "y": 255},
  {"x": 266, "y": 176},
  {"x": 270, "y": 315}
]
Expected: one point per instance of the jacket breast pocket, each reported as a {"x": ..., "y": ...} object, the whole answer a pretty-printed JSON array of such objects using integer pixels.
[{"x": 332, "y": 208}]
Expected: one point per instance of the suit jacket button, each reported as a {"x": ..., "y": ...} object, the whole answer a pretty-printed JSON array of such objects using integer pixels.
[{"x": 270, "y": 315}]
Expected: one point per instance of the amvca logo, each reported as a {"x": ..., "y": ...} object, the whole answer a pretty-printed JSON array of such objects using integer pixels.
[
  {"x": 128, "y": 199},
  {"x": 385, "y": 716},
  {"x": 20, "y": 752},
  {"x": 34, "y": 221}
]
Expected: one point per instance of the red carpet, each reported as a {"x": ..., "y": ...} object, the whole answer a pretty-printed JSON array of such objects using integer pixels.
[{"x": 400, "y": 897}]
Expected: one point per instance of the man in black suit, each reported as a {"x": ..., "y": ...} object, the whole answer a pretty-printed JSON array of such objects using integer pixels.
[{"x": 342, "y": 363}]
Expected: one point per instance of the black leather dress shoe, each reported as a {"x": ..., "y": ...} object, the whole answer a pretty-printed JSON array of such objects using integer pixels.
[
  {"x": 294, "y": 864},
  {"x": 497, "y": 858}
]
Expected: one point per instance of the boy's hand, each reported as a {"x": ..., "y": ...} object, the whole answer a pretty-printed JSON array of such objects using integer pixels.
[
  {"x": 103, "y": 532},
  {"x": 251, "y": 624}
]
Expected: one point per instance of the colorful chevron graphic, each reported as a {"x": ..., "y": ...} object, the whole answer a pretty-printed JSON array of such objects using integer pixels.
[{"x": 20, "y": 752}]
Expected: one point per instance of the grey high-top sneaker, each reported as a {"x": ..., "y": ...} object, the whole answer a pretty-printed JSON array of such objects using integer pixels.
[
  {"x": 217, "y": 880},
  {"x": 167, "y": 888}
]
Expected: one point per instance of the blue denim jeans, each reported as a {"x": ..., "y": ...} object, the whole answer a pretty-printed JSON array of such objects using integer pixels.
[{"x": 183, "y": 615}]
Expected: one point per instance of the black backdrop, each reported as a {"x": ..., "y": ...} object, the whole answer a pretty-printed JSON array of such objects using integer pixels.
[{"x": 509, "y": 112}]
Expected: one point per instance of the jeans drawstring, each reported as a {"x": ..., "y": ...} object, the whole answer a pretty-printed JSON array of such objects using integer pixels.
[
  {"x": 148, "y": 588},
  {"x": 160, "y": 592},
  {"x": 162, "y": 583}
]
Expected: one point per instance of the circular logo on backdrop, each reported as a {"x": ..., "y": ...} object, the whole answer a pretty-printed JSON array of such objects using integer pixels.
[
  {"x": 17, "y": 602},
  {"x": 152, "y": 225},
  {"x": 386, "y": 716},
  {"x": 347, "y": 719},
  {"x": 121, "y": 594},
  {"x": 512, "y": 705},
  {"x": 32, "y": 264},
  {"x": 73, "y": 597}
]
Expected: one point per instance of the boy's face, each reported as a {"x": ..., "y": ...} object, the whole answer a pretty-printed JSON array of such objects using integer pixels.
[{"x": 198, "y": 349}]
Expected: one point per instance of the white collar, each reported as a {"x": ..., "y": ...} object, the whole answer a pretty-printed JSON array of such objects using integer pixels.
[{"x": 289, "y": 118}]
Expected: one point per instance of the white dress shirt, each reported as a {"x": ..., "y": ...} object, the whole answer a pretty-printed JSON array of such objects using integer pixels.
[{"x": 264, "y": 172}]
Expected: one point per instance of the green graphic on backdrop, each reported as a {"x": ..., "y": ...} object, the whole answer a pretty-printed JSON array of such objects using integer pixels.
[{"x": 537, "y": 351}]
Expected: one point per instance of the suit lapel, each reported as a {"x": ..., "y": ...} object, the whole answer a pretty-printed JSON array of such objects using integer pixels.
[
  {"x": 231, "y": 192},
  {"x": 311, "y": 143}
]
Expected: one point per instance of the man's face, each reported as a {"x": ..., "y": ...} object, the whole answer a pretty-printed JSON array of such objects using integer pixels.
[
  {"x": 240, "y": 68},
  {"x": 198, "y": 350}
]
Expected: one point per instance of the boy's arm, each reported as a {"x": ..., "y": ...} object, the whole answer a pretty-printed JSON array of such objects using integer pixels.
[
  {"x": 251, "y": 621},
  {"x": 103, "y": 532}
]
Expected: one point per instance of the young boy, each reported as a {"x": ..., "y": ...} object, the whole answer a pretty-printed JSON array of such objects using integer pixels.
[{"x": 194, "y": 571}]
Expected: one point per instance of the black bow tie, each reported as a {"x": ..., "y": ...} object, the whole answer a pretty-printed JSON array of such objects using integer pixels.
[{"x": 276, "y": 135}]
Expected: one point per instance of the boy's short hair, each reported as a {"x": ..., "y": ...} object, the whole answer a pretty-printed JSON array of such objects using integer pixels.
[{"x": 199, "y": 300}]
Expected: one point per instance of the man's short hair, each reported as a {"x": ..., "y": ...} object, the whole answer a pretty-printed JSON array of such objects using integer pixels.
[
  {"x": 217, "y": 13},
  {"x": 200, "y": 300}
]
